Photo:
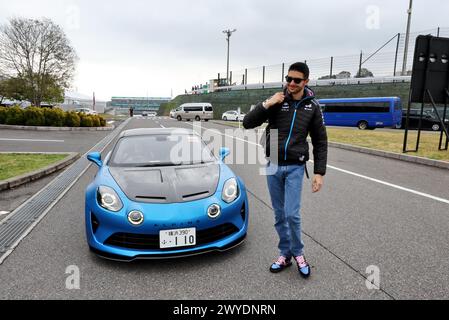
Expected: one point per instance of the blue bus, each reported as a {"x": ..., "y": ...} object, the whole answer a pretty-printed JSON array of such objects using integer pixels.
[{"x": 364, "y": 113}]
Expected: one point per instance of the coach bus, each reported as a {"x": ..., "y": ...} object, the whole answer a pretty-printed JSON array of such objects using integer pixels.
[{"x": 364, "y": 113}]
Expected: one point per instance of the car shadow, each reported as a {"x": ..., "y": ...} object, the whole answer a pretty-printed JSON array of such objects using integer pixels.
[{"x": 184, "y": 263}]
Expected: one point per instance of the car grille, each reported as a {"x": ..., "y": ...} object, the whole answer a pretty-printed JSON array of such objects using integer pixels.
[{"x": 151, "y": 241}]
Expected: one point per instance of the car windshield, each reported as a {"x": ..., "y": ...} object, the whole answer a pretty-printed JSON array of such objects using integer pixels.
[{"x": 160, "y": 150}]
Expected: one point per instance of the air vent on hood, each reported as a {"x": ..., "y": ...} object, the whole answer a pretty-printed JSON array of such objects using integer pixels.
[
  {"x": 193, "y": 195},
  {"x": 151, "y": 198}
]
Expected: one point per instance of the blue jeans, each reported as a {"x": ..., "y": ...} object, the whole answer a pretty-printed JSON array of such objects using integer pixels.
[{"x": 285, "y": 186}]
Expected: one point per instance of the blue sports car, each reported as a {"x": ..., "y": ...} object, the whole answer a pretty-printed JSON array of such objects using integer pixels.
[{"x": 162, "y": 193}]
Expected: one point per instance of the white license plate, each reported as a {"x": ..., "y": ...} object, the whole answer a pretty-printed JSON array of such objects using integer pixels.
[{"x": 177, "y": 238}]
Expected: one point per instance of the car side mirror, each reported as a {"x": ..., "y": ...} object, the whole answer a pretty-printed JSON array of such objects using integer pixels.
[
  {"x": 95, "y": 157},
  {"x": 223, "y": 153}
]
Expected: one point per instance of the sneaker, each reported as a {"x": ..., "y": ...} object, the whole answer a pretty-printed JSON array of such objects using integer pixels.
[
  {"x": 303, "y": 266},
  {"x": 280, "y": 264}
]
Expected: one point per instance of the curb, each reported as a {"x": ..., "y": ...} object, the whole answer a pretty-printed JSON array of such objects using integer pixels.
[
  {"x": 41, "y": 128},
  {"x": 386, "y": 154},
  {"x": 392, "y": 155},
  {"x": 40, "y": 173}
]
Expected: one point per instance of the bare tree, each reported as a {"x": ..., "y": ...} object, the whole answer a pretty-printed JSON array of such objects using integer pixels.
[{"x": 38, "y": 52}]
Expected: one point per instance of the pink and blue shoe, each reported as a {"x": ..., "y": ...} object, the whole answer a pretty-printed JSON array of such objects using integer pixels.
[
  {"x": 303, "y": 266},
  {"x": 280, "y": 264}
]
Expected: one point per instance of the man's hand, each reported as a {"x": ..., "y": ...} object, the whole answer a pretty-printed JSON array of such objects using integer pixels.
[
  {"x": 317, "y": 183},
  {"x": 275, "y": 99}
]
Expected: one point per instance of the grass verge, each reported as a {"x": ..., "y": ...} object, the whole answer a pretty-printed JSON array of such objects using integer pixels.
[
  {"x": 16, "y": 164},
  {"x": 391, "y": 140}
]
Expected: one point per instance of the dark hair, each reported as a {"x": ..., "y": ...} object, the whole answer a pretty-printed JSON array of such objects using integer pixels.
[{"x": 300, "y": 67}]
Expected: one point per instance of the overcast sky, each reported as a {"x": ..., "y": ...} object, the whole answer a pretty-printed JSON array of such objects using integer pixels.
[{"x": 151, "y": 48}]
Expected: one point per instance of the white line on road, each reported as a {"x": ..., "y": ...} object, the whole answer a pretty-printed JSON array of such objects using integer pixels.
[
  {"x": 2, "y": 213},
  {"x": 365, "y": 177},
  {"x": 391, "y": 185},
  {"x": 30, "y": 140}
]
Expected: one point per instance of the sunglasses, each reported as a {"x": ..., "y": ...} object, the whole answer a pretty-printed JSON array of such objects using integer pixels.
[{"x": 296, "y": 80}]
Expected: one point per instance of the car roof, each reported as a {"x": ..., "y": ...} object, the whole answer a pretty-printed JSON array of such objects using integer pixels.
[{"x": 156, "y": 131}]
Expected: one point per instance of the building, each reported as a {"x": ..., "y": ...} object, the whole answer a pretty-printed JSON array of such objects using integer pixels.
[
  {"x": 139, "y": 104},
  {"x": 73, "y": 100}
]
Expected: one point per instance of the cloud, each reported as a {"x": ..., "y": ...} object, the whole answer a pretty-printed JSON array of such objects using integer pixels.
[{"x": 137, "y": 46}]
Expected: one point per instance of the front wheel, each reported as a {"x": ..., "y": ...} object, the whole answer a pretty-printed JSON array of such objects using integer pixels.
[
  {"x": 362, "y": 125},
  {"x": 225, "y": 118},
  {"x": 436, "y": 127},
  {"x": 197, "y": 118},
  {"x": 179, "y": 118}
]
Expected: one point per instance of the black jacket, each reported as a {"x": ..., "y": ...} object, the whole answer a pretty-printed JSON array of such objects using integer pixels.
[{"x": 294, "y": 120}]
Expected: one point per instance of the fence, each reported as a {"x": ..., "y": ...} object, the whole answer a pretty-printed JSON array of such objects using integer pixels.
[{"x": 382, "y": 64}]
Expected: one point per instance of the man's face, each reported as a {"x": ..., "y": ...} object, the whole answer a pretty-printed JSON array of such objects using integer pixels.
[{"x": 292, "y": 86}]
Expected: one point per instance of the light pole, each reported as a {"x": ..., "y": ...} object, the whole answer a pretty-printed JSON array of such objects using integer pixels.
[
  {"x": 407, "y": 35},
  {"x": 228, "y": 35}
]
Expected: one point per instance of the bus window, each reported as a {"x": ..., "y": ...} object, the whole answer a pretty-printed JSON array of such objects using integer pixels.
[{"x": 362, "y": 112}]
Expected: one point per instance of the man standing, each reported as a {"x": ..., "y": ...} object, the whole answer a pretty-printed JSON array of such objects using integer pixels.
[{"x": 294, "y": 113}]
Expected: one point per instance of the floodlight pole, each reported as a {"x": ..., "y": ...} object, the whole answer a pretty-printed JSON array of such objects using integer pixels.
[
  {"x": 407, "y": 36},
  {"x": 228, "y": 36}
]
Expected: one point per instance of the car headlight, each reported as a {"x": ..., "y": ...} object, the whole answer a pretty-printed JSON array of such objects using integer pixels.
[
  {"x": 230, "y": 190},
  {"x": 108, "y": 199}
]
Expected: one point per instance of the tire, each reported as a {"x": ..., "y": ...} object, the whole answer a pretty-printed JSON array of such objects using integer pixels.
[
  {"x": 206, "y": 120},
  {"x": 435, "y": 127},
  {"x": 362, "y": 125},
  {"x": 179, "y": 118},
  {"x": 197, "y": 118},
  {"x": 225, "y": 118},
  {"x": 397, "y": 126}
]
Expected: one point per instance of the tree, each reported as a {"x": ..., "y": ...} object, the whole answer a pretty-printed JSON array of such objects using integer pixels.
[
  {"x": 364, "y": 73},
  {"x": 327, "y": 77},
  {"x": 344, "y": 75},
  {"x": 38, "y": 54},
  {"x": 19, "y": 89},
  {"x": 12, "y": 88}
]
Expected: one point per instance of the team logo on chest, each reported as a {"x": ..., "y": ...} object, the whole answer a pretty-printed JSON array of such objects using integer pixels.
[
  {"x": 308, "y": 107},
  {"x": 285, "y": 107}
]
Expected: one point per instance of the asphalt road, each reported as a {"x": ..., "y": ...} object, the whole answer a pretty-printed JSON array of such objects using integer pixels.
[
  {"x": 41, "y": 141},
  {"x": 371, "y": 212}
]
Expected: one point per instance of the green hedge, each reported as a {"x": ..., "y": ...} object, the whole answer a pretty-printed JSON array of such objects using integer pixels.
[{"x": 35, "y": 116}]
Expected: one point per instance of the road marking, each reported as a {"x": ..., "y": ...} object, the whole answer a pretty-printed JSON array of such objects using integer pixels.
[
  {"x": 30, "y": 140},
  {"x": 391, "y": 185},
  {"x": 161, "y": 126},
  {"x": 423, "y": 194},
  {"x": 2, "y": 213}
]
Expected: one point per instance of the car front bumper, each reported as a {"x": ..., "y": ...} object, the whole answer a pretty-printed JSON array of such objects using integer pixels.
[{"x": 110, "y": 235}]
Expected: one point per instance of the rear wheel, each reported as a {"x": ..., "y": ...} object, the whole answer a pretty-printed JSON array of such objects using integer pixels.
[
  {"x": 206, "y": 120},
  {"x": 362, "y": 125},
  {"x": 197, "y": 118},
  {"x": 179, "y": 118}
]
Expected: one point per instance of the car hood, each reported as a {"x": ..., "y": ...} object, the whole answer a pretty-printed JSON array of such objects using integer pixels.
[{"x": 168, "y": 184}]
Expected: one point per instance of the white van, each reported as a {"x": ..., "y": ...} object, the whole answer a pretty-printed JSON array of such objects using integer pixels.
[{"x": 194, "y": 111}]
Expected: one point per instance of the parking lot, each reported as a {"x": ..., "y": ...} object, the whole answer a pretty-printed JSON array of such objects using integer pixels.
[{"x": 372, "y": 213}]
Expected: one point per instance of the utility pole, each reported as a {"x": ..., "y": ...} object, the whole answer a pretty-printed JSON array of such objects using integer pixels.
[
  {"x": 228, "y": 35},
  {"x": 407, "y": 36}
]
